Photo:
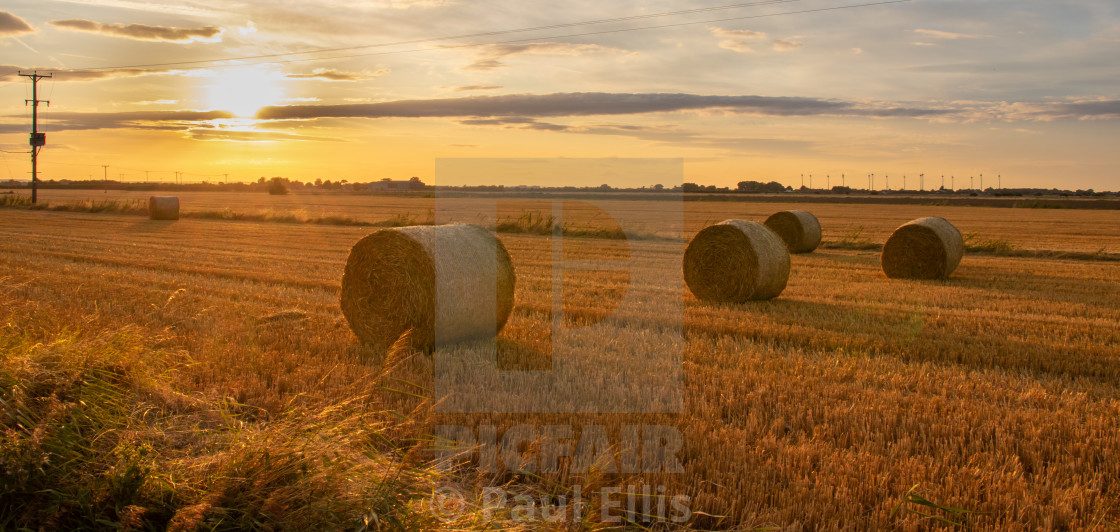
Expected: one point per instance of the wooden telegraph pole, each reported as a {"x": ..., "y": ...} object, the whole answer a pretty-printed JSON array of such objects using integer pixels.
[{"x": 38, "y": 140}]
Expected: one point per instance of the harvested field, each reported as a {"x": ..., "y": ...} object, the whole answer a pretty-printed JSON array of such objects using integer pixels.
[{"x": 996, "y": 391}]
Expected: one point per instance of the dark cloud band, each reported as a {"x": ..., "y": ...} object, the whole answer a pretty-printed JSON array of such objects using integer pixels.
[
  {"x": 138, "y": 31},
  {"x": 589, "y": 104}
]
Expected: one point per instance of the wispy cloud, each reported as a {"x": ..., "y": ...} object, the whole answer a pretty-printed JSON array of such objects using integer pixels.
[
  {"x": 251, "y": 136},
  {"x": 743, "y": 41},
  {"x": 338, "y": 75},
  {"x": 666, "y": 135},
  {"x": 1049, "y": 112},
  {"x": 489, "y": 57},
  {"x": 468, "y": 88},
  {"x": 63, "y": 74},
  {"x": 158, "y": 120},
  {"x": 142, "y": 32},
  {"x": 408, "y": 4},
  {"x": 938, "y": 34},
  {"x": 787, "y": 45},
  {"x": 13, "y": 25},
  {"x": 736, "y": 40}
]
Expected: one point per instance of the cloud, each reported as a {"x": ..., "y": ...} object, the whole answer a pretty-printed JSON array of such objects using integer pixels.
[
  {"x": 488, "y": 57},
  {"x": 737, "y": 34},
  {"x": 12, "y": 25},
  {"x": 787, "y": 45},
  {"x": 660, "y": 135},
  {"x": 408, "y": 4},
  {"x": 338, "y": 75},
  {"x": 519, "y": 121},
  {"x": 466, "y": 88},
  {"x": 525, "y": 109},
  {"x": 158, "y": 120},
  {"x": 938, "y": 34},
  {"x": 142, "y": 32},
  {"x": 736, "y": 40},
  {"x": 590, "y": 104},
  {"x": 250, "y": 136},
  {"x": 63, "y": 74},
  {"x": 1049, "y": 112}
]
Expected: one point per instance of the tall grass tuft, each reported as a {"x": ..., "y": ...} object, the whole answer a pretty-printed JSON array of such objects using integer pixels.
[{"x": 95, "y": 436}]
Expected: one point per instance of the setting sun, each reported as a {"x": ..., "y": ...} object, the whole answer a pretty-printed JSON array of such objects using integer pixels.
[{"x": 243, "y": 90}]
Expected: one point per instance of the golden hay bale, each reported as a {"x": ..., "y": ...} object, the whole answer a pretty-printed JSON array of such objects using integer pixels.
[
  {"x": 926, "y": 248},
  {"x": 799, "y": 229},
  {"x": 736, "y": 261},
  {"x": 440, "y": 284},
  {"x": 163, "y": 208}
]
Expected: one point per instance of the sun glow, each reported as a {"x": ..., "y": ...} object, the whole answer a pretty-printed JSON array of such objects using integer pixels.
[{"x": 244, "y": 90}]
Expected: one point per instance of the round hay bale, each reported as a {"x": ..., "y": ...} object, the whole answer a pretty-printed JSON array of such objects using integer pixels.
[
  {"x": 439, "y": 284},
  {"x": 163, "y": 208},
  {"x": 736, "y": 261},
  {"x": 799, "y": 229},
  {"x": 926, "y": 248}
]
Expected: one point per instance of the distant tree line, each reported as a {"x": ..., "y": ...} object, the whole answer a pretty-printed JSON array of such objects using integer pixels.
[{"x": 283, "y": 185}]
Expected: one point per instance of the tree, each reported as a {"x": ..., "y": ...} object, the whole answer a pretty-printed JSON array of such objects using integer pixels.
[
  {"x": 690, "y": 187},
  {"x": 319, "y": 182},
  {"x": 750, "y": 186},
  {"x": 278, "y": 186},
  {"x": 416, "y": 184}
]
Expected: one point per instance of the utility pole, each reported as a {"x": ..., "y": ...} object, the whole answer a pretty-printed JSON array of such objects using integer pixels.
[
  {"x": 981, "y": 182},
  {"x": 810, "y": 181},
  {"x": 888, "y": 178},
  {"x": 971, "y": 182},
  {"x": 999, "y": 181},
  {"x": 903, "y": 182},
  {"x": 226, "y": 178},
  {"x": 872, "y": 187},
  {"x": 828, "y": 181},
  {"x": 922, "y": 182},
  {"x": 802, "y": 180},
  {"x": 842, "y": 181},
  {"x": 38, "y": 140},
  {"x": 147, "y": 178},
  {"x": 953, "y": 183},
  {"x": 942, "y": 181},
  {"x": 105, "y": 167}
]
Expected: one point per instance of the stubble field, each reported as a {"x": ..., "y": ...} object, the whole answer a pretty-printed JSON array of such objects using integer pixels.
[{"x": 996, "y": 391}]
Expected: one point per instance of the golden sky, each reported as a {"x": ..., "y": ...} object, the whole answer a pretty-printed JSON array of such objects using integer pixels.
[{"x": 769, "y": 90}]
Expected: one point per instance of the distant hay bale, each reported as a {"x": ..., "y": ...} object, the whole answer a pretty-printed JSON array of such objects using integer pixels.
[
  {"x": 438, "y": 284},
  {"x": 163, "y": 208},
  {"x": 926, "y": 248},
  {"x": 799, "y": 229},
  {"x": 736, "y": 261}
]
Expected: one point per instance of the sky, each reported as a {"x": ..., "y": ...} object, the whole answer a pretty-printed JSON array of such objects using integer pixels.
[{"x": 1026, "y": 90}]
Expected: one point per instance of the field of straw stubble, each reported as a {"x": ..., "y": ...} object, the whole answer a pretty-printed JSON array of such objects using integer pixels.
[{"x": 200, "y": 374}]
